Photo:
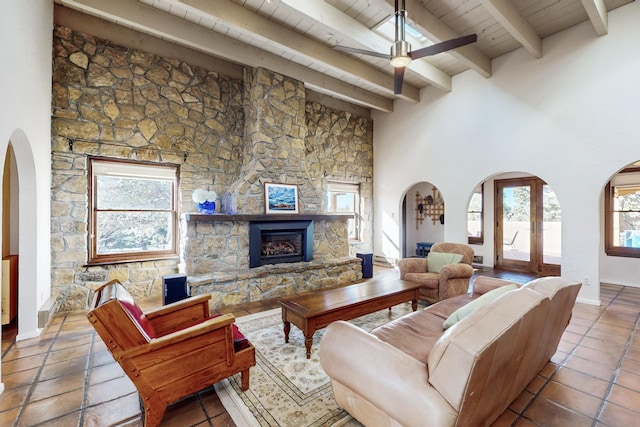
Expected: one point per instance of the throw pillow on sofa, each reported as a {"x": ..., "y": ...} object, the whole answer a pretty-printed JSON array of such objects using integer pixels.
[
  {"x": 437, "y": 260},
  {"x": 469, "y": 308}
]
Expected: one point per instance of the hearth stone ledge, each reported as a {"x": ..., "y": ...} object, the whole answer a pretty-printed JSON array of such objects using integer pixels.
[{"x": 275, "y": 280}]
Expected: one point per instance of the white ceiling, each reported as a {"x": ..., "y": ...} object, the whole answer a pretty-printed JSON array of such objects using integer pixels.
[{"x": 297, "y": 37}]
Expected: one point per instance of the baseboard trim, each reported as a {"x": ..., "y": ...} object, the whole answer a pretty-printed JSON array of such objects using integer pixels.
[{"x": 46, "y": 311}]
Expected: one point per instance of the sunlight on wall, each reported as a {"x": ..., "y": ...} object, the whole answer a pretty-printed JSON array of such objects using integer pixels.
[{"x": 390, "y": 236}]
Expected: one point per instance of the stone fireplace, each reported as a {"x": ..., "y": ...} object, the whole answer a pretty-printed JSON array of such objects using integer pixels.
[
  {"x": 275, "y": 242},
  {"x": 217, "y": 256}
]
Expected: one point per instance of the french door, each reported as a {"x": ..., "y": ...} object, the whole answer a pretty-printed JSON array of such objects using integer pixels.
[{"x": 528, "y": 226}]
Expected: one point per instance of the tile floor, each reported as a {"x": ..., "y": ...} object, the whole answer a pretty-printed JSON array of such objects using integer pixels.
[{"x": 66, "y": 377}]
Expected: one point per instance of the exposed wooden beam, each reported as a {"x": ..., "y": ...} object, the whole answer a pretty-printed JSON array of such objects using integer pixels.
[
  {"x": 267, "y": 31},
  {"x": 438, "y": 31},
  {"x": 597, "y": 12},
  {"x": 340, "y": 23},
  {"x": 509, "y": 17},
  {"x": 166, "y": 26}
]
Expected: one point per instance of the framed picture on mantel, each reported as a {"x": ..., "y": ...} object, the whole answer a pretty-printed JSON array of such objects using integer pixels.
[{"x": 280, "y": 198}]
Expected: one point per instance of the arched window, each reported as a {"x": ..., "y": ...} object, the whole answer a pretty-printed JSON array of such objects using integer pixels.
[{"x": 622, "y": 213}]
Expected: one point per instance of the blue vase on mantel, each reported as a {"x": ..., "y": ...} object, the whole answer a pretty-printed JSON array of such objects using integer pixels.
[{"x": 207, "y": 208}]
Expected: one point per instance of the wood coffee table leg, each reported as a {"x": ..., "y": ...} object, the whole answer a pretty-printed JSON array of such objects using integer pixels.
[
  {"x": 287, "y": 328},
  {"x": 308, "y": 341}
]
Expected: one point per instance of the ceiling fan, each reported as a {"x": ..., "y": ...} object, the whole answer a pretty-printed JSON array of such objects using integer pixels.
[{"x": 401, "y": 54}]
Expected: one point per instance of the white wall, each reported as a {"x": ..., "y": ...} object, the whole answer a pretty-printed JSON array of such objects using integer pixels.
[
  {"x": 25, "y": 111},
  {"x": 569, "y": 118}
]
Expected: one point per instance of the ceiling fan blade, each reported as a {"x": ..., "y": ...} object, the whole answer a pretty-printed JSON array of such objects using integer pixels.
[
  {"x": 443, "y": 46},
  {"x": 398, "y": 77},
  {"x": 362, "y": 52}
]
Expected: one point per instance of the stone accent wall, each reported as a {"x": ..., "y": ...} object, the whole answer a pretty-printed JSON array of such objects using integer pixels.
[
  {"x": 225, "y": 134},
  {"x": 123, "y": 103},
  {"x": 340, "y": 146}
]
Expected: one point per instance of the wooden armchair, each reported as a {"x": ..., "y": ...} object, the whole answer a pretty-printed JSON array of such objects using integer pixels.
[{"x": 170, "y": 352}]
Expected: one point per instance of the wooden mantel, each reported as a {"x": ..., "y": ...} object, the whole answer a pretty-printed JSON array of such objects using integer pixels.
[{"x": 266, "y": 217}]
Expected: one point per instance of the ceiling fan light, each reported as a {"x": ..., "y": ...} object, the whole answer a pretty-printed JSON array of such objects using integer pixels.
[
  {"x": 400, "y": 61},
  {"x": 400, "y": 53}
]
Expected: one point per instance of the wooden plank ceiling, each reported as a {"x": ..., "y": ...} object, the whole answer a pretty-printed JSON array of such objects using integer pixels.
[{"x": 297, "y": 37}]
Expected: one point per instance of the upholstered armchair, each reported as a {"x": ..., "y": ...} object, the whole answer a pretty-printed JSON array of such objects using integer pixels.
[
  {"x": 172, "y": 351},
  {"x": 443, "y": 275}
]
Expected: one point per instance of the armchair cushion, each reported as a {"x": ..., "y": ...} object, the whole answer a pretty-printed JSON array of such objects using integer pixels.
[
  {"x": 137, "y": 315},
  {"x": 437, "y": 260}
]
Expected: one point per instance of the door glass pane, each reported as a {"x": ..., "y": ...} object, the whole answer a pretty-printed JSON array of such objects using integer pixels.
[
  {"x": 551, "y": 227},
  {"x": 516, "y": 220}
]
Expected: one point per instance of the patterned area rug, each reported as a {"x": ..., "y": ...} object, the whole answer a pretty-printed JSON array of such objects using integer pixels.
[{"x": 286, "y": 389}]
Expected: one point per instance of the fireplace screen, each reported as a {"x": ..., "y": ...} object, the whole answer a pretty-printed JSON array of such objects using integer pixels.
[
  {"x": 280, "y": 242},
  {"x": 276, "y": 244}
]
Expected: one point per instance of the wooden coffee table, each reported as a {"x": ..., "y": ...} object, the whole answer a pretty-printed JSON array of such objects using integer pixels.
[{"x": 317, "y": 310}]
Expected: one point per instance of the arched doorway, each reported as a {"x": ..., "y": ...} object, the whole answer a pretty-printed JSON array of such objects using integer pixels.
[{"x": 32, "y": 290}]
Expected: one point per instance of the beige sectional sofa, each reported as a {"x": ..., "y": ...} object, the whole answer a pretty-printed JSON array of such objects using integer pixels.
[{"x": 412, "y": 372}]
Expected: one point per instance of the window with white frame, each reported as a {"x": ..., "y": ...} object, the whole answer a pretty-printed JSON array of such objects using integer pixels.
[
  {"x": 132, "y": 211},
  {"x": 344, "y": 197}
]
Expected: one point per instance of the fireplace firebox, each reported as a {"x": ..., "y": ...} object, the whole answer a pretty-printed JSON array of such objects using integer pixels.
[{"x": 275, "y": 242}]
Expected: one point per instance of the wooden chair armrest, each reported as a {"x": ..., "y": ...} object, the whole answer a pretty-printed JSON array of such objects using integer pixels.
[
  {"x": 178, "y": 305},
  {"x": 179, "y": 315},
  {"x": 194, "y": 331}
]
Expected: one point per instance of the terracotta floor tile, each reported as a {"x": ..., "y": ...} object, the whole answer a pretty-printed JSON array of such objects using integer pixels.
[
  {"x": 614, "y": 415},
  {"x": 23, "y": 364},
  {"x": 633, "y": 353},
  {"x": 521, "y": 402},
  {"x": 9, "y": 417},
  {"x": 607, "y": 336},
  {"x": 629, "y": 380},
  {"x": 583, "y": 382},
  {"x": 211, "y": 402},
  {"x": 590, "y": 367},
  {"x": 68, "y": 354},
  {"x": 123, "y": 410},
  {"x": 70, "y": 420},
  {"x": 571, "y": 398},
  {"x": 102, "y": 358},
  {"x": 601, "y": 345},
  {"x": 71, "y": 341},
  {"x": 13, "y": 398},
  {"x": 104, "y": 373},
  {"x": 536, "y": 384},
  {"x": 550, "y": 414},
  {"x": 56, "y": 386},
  {"x": 625, "y": 398},
  {"x": 607, "y": 358},
  {"x": 18, "y": 379},
  {"x": 67, "y": 367},
  {"x": 507, "y": 419},
  {"x": 109, "y": 390},
  {"x": 630, "y": 365},
  {"x": 222, "y": 420},
  {"x": 20, "y": 352},
  {"x": 51, "y": 408},
  {"x": 185, "y": 412}
]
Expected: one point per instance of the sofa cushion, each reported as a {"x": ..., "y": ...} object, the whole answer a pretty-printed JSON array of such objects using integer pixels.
[
  {"x": 469, "y": 308},
  {"x": 437, "y": 260},
  {"x": 414, "y": 333}
]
